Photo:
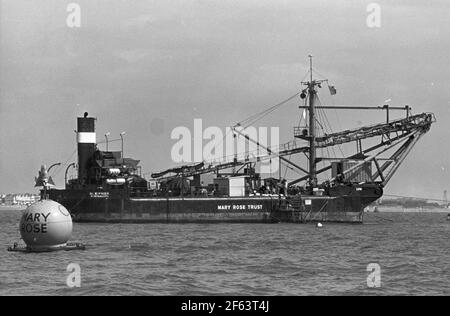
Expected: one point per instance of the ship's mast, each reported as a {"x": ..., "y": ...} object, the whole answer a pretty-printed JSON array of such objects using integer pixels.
[
  {"x": 312, "y": 128},
  {"x": 311, "y": 107}
]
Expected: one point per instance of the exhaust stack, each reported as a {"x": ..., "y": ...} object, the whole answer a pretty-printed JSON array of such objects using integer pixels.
[{"x": 86, "y": 141}]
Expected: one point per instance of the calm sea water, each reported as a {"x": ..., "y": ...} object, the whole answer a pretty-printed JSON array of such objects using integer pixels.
[{"x": 238, "y": 259}]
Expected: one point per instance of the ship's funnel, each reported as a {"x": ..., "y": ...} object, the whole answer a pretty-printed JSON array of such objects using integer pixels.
[{"x": 86, "y": 140}]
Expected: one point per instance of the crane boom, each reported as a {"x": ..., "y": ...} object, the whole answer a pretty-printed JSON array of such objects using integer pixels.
[{"x": 394, "y": 130}]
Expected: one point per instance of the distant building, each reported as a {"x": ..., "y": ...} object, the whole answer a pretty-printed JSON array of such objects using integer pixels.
[{"x": 19, "y": 199}]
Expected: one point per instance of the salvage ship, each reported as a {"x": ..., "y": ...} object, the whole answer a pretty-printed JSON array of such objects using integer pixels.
[{"x": 111, "y": 188}]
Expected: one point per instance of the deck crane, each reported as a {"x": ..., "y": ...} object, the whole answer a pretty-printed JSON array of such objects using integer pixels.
[{"x": 401, "y": 132}]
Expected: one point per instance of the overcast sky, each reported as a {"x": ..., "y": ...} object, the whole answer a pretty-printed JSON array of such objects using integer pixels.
[{"x": 146, "y": 67}]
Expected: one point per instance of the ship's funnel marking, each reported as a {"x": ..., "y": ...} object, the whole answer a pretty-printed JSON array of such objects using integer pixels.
[
  {"x": 86, "y": 138},
  {"x": 86, "y": 146}
]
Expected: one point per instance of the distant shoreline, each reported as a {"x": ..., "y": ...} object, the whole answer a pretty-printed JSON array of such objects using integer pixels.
[
  {"x": 12, "y": 207},
  {"x": 393, "y": 209}
]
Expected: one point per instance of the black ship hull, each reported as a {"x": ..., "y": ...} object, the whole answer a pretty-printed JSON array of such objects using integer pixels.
[
  {"x": 345, "y": 205},
  {"x": 111, "y": 188}
]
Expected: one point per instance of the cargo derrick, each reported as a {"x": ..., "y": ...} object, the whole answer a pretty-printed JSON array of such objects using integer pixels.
[
  {"x": 399, "y": 135},
  {"x": 402, "y": 133}
]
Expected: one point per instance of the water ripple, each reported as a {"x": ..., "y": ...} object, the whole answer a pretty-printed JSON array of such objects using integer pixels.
[{"x": 238, "y": 259}]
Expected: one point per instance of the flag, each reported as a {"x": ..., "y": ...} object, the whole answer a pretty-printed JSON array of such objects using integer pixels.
[{"x": 332, "y": 90}]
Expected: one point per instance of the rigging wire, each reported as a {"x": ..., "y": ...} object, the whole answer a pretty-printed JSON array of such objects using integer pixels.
[
  {"x": 258, "y": 116},
  {"x": 341, "y": 149},
  {"x": 335, "y": 112},
  {"x": 322, "y": 114},
  {"x": 245, "y": 123},
  {"x": 318, "y": 73},
  {"x": 331, "y": 131},
  {"x": 253, "y": 119},
  {"x": 286, "y": 169},
  {"x": 327, "y": 122}
]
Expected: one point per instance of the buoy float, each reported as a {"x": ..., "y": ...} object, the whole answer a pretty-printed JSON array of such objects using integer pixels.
[
  {"x": 319, "y": 225},
  {"x": 45, "y": 225}
]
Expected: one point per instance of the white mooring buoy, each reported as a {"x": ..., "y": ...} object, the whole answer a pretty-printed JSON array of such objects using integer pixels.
[
  {"x": 319, "y": 225},
  {"x": 46, "y": 226}
]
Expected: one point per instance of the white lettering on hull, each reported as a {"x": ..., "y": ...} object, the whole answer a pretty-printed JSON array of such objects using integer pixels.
[{"x": 240, "y": 207}]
